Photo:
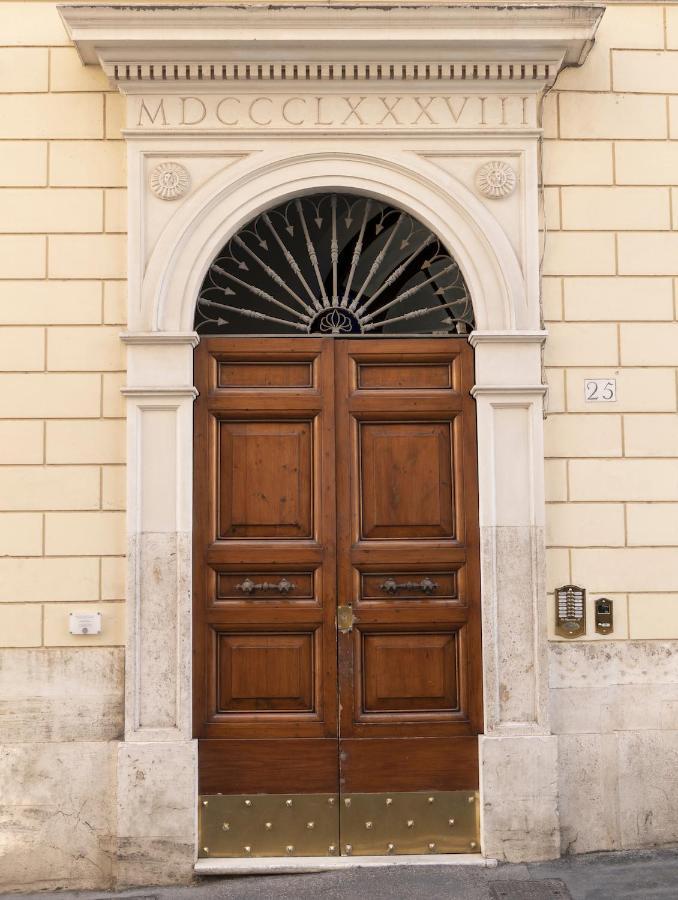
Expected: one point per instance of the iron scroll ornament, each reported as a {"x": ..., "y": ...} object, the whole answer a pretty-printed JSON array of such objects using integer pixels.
[{"x": 338, "y": 265}]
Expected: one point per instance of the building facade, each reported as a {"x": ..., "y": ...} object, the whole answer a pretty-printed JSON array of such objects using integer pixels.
[{"x": 416, "y": 551}]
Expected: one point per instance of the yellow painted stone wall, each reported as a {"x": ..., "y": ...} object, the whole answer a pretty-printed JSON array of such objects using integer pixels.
[
  {"x": 611, "y": 256},
  {"x": 62, "y": 304},
  {"x": 610, "y": 160}
]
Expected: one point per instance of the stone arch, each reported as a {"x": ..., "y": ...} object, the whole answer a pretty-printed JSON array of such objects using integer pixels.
[{"x": 220, "y": 207}]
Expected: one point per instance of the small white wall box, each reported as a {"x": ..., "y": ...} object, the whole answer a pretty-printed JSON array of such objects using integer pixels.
[{"x": 84, "y": 623}]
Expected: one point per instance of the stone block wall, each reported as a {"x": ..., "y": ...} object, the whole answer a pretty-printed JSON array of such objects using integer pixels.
[
  {"x": 609, "y": 287},
  {"x": 62, "y": 455},
  {"x": 610, "y": 170}
]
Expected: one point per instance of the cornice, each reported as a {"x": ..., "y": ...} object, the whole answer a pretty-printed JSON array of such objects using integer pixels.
[
  {"x": 160, "y": 337},
  {"x": 507, "y": 337},
  {"x": 349, "y": 43}
]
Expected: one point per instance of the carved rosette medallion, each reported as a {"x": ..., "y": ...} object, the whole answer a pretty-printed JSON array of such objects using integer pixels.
[
  {"x": 170, "y": 180},
  {"x": 496, "y": 179}
]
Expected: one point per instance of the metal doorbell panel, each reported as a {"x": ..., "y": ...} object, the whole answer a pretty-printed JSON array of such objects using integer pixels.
[
  {"x": 604, "y": 616},
  {"x": 570, "y": 611}
]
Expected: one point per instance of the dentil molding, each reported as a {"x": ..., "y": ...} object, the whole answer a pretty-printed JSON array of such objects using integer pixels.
[{"x": 210, "y": 45}]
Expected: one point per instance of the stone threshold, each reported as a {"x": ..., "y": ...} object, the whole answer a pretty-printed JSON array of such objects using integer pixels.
[{"x": 303, "y": 864}]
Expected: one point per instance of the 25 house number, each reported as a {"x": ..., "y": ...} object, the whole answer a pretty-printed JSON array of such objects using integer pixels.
[{"x": 600, "y": 390}]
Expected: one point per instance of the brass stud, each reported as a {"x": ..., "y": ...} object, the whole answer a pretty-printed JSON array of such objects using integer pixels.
[
  {"x": 348, "y": 848},
  {"x": 205, "y": 802},
  {"x": 431, "y": 799},
  {"x": 205, "y": 849},
  {"x": 450, "y": 822},
  {"x": 471, "y": 799},
  {"x": 248, "y": 802},
  {"x": 389, "y": 801},
  {"x": 310, "y": 825},
  {"x": 332, "y": 848},
  {"x": 330, "y": 800},
  {"x": 410, "y": 823},
  {"x": 226, "y": 826},
  {"x": 290, "y": 848},
  {"x": 390, "y": 847},
  {"x": 432, "y": 846},
  {"x": 247, "y": 849},
  {"x": 473, "y": 845},
  {"x": 347, "y": 801},
  {"x": 268, "y": 826},
  {"x": 288, "y": 803},
  {"x": 368, "y": 825}
]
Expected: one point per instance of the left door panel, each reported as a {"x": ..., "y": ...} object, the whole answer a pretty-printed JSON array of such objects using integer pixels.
[{"x": 265, "y": 570}]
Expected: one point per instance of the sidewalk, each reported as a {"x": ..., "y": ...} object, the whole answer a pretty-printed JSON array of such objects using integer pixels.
[{"x": 649, "y": 875}]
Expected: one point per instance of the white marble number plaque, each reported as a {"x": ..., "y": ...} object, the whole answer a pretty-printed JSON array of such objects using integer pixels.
[
  {"x": 600, "y": 390},
  {"x": 84, "y": 623}
]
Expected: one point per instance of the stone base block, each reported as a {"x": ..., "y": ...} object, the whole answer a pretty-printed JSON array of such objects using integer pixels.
[
  {"x": 61, "y": 694},
  {"x": 57, "y": 815},
  {"x": 157, "y": 812},
  {"x": 588, "y": 800},
  {"x": 519, "y": 790},
  {"x": 613, "y": 706}
]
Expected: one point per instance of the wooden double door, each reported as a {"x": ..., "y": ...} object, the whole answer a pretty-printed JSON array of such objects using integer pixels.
[{"x": 336, "y": 583}]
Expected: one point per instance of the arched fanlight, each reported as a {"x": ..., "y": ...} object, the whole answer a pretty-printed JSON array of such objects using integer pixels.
[{"x": 334, "y": 264}]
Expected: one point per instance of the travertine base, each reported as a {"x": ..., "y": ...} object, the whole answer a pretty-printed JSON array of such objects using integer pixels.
[
  {"x": 57, "y": 815},
  {"x": 157, "y": 809},
  {"x": 61, "y": 694},
  {"x": 519, "y": 791},
  {"x": 614, "y": 708}
]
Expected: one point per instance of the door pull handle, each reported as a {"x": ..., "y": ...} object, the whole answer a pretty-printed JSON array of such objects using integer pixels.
[
  {"x": 249, "y": 587},
  {"x": 345, "y": 618},
  {"x": 426, "y": 586}
]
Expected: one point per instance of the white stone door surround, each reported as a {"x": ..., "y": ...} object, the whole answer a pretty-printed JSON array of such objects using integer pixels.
[{"x": 243, "y": 107}]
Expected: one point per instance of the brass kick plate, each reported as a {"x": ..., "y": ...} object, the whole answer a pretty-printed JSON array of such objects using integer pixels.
[
  {"x": 409, "y": 822},
  {"x": 268, "y": 825},
  {"x": 328, "y": 825}
]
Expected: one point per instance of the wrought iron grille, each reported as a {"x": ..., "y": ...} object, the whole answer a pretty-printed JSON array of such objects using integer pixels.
[{"x": 334, "y": 264}]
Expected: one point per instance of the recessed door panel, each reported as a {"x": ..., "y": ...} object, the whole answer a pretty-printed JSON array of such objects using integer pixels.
[
  {"x": 400, "y": 586},
  {"x": 265, "y": 672},
  {"x": 266, "y": 485},
  {"x": 417, "y": 375},
  {"x": 266, "y": 586},
  {"x": 409, "y": 672},
  {"x": 245, "y": 373},
  {"x": 406, "y": 480}
]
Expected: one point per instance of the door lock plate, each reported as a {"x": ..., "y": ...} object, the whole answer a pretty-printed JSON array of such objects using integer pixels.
[{"x": 345, "y": 618}]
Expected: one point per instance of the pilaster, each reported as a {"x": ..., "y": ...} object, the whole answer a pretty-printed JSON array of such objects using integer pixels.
[
  {"x": 157, "y": 763},
  {"x": 160, "y": 396},
  {"x": 518, "y": 756}
]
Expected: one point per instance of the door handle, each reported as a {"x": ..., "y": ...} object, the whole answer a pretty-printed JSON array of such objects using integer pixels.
[
  {"x": 249, "y": 587},
  {"x": 426, "y": 586},
  {"x": 345, "y": 618}
]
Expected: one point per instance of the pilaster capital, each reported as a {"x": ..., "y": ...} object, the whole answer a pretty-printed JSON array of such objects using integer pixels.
[{"x": 160, "y": 338}]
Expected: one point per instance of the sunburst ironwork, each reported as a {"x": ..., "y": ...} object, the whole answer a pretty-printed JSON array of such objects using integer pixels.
[{"x": 334, "y": 264}]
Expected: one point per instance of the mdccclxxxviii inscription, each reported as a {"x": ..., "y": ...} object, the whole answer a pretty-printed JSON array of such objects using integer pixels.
[{"x": 246, "y": 110}]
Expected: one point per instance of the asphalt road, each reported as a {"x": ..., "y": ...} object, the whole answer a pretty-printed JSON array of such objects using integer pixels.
[{"x": 651, "y": 875}]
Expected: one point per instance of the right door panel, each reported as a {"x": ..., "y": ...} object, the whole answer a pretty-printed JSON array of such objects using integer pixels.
[{"x": 410, "y": 673}]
